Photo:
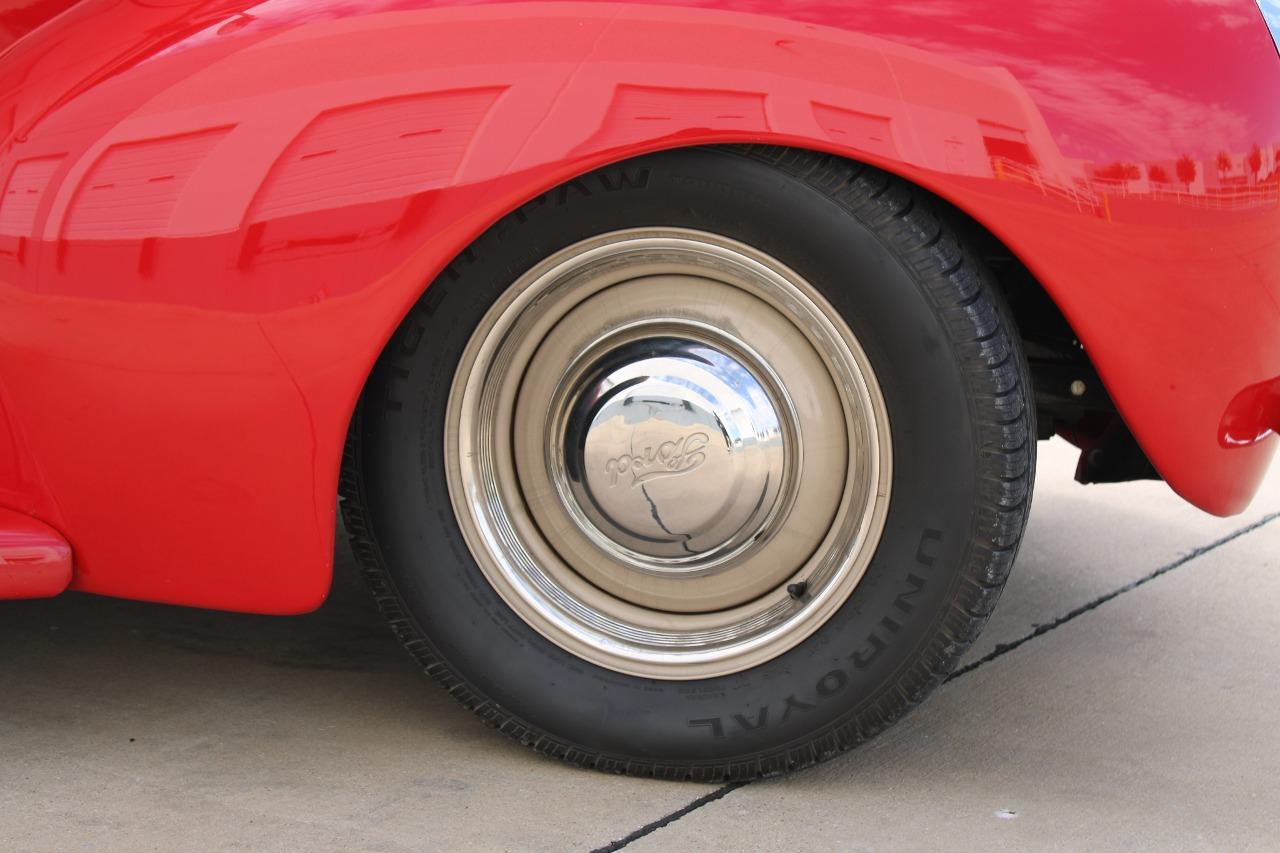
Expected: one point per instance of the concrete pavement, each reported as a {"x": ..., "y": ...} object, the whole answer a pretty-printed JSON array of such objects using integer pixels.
[{"x": 1137, "y": 708}]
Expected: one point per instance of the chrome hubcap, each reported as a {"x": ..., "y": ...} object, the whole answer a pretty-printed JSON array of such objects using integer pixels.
[
  {"x": 653, "y": 439},
  {"x": 675, "y": 453}
]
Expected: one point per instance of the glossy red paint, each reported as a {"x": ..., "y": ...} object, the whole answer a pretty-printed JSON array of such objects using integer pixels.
[
  {"x": 214, "y": 214},
  {"x": 35, "y": 561},
  {"x": 19, "y": 17}
]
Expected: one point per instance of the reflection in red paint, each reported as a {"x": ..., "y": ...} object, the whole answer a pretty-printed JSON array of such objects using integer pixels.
[
  {"x": 373, "y": 151},
  {"x": 646, "y": 112},
  {"x": 866, "y": 132},
  {"x": 131, "y": 192},
  {"x": 27, "y": 186}
]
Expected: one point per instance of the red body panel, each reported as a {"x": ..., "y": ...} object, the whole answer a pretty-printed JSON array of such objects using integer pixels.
[
  {"x": 214, "y": 214},
  {"x": 19, "y": 17}
]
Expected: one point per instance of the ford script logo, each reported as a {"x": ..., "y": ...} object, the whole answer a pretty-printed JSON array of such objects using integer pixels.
[{"x": 665, "y": 460}]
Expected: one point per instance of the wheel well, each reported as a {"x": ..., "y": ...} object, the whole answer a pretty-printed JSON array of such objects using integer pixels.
[{"x": 1070, "y": 397}]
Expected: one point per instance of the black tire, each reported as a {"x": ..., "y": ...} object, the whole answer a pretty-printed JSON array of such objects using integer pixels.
[{"x": 956, "y": 388}]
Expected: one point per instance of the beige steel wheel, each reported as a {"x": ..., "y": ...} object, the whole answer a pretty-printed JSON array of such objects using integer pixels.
[{"x": 667, "y": 453}]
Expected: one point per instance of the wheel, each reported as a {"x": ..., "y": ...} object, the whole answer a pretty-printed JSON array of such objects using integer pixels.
[{"x": 706, "y": 465}]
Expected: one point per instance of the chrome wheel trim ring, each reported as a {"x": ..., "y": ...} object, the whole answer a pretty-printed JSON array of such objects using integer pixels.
[{"x": 518, "y": 493}]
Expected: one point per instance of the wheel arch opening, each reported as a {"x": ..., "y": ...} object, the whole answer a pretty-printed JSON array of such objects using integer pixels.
[{"x": 1070, "y": 397}]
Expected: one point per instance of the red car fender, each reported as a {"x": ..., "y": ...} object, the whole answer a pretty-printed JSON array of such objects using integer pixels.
[{"x": 214, "y": 215}]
